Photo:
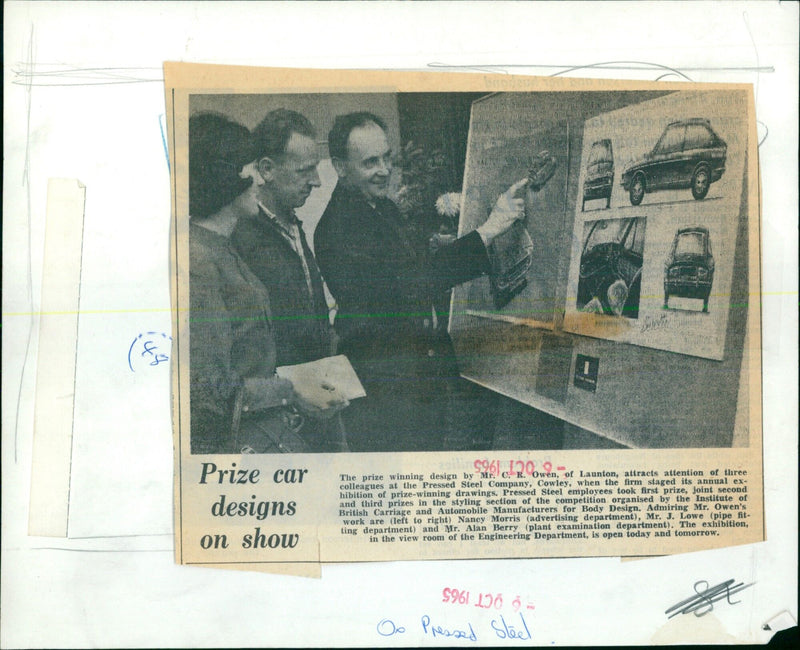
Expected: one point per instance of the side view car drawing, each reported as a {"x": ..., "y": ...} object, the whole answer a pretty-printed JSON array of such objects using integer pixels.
[
  {"x": 689, "y": 154},
  {"x": 599, "y": 179},
  {"x": 689, "y": 270},
  {"x": 610, "y": 275}
]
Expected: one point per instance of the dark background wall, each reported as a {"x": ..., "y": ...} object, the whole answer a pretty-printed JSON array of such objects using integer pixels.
[{"x": 439, "y": 121}]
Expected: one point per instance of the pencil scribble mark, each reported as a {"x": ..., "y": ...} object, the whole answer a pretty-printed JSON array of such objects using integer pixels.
[
  {"x": 758, "y": 69},
  {"x": 635, "y": 65},
  {"x": 666, "y": 75},
  {"x": 766, "y": 131},
  {"x": 680, "y": 73},
  {"x": 703, "y": 602},
  {"x": 755, "y": 50},
  {"x": 609, "y": 65},
  {"x": 55, "y": 74},
  {"x": 29, "y": 271}
]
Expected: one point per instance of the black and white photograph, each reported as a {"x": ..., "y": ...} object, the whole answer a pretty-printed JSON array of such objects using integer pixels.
[{"x": 394, "y": 272}]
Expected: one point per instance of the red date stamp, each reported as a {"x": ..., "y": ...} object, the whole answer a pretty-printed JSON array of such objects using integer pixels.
[
  {"x": 482, "y": 600},
  {"x": 515, "y": 467}
]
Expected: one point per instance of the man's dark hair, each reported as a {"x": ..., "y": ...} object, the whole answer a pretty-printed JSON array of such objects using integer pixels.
[
  {"x": 343, "y": 125},
  {"x": 218, "y": 149},
  {"x": 272, "y": 135}
]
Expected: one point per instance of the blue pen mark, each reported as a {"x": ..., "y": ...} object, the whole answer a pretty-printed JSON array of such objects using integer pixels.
[
  {"x": 162, "y": 127},
  {"x": 145, "y": 349},
  {"x": 505, "y": 630},
  {"x": 387, "y": 627},
  {"x": 440, "y": 631}
]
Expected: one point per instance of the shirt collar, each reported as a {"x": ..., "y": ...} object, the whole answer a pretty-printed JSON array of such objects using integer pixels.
[{"x": 273, "y": 219}]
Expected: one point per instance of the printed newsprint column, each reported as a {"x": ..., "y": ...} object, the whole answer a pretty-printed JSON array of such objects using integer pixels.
[{"x": 429, "y": 316}]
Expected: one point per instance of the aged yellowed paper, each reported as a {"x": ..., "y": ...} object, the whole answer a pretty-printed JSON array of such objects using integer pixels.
[{"x": 594, "y": 388}]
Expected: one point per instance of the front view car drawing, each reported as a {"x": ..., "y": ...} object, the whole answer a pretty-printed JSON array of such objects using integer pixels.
[
  {"x": 689, "y": 270},
  {"x": 688, "y": 155}
]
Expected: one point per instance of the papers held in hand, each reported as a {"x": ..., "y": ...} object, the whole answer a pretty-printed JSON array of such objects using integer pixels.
[{"x": 324, "y": 382}]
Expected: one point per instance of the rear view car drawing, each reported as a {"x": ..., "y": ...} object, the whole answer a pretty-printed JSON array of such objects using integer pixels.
[
  {"x": 689, "y": 270},
  {"x": 689, "y": 154},
  {"x": 599, "y": 179},
  {"x": 610, "y": 275}
]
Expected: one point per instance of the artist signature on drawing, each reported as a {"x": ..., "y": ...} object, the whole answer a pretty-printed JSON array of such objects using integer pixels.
[
  {"x": 657, "y": 322},
  {"x": 150, "y": 349},
  {"x": 703, "y": 602}
]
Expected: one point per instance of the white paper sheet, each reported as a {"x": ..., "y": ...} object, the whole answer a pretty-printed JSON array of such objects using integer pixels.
[
  {"x": 318, "y": 381},
  {"x": 83, "y": 100}
]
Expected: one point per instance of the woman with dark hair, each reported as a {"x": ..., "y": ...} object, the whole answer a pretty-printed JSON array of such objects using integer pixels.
[{"x": 238, "y": 404}]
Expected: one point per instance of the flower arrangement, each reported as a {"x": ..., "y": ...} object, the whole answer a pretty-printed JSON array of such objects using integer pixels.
[
  {"x": 425, "y": 177},
  {"x": 448, "y": 205}
]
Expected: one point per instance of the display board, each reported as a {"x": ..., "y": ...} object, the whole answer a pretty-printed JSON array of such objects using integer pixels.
[
  {"x": 631, "y": 330},
  {"x": 653, "y": 266},
  {"x": 493, "y": 164}
]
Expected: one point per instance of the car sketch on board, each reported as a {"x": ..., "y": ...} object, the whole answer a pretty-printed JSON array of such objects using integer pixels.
[
  {"x": 689, "y": 270},
  {"x": 610, "y": 274},
  {"x": 688, "y": 155},
  {"x": 599, "y": 179}
]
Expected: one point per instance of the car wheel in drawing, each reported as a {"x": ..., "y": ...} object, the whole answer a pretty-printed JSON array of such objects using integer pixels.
[
  {"x": 701, "y": 181},
  {"x": 637, "y": 189}
]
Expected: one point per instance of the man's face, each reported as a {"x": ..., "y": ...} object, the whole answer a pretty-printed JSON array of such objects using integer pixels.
[
  {"x": 294, "y": 174},
  {"x": 369, "y": 162}
]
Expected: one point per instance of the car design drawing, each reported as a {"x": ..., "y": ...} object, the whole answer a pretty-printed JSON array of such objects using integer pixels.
[
  {"x": 610, "y": 274},
  {"x": 511, "y": 254},
  {"x": 688, "y": 155},
  {"x": 689, "y": 270},
  {"x": 599, "y": 178}
]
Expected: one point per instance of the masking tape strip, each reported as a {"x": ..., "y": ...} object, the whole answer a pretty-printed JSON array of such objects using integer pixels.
[{"x": 55, "y": 376}]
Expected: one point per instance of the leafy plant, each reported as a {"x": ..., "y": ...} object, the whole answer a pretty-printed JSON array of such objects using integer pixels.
[{"x": 425, "y": 177}]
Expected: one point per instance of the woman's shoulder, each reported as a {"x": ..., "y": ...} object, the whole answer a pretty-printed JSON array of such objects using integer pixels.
[{"x": 207, "y": 249}]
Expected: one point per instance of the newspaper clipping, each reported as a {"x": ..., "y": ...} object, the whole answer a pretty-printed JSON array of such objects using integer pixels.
[{"x": 451, "y": 316}]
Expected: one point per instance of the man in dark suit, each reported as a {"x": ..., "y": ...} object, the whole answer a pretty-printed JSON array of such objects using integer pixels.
[
  {"x": 273, "y": 245},
  {"x": 384, "y": 291}
]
